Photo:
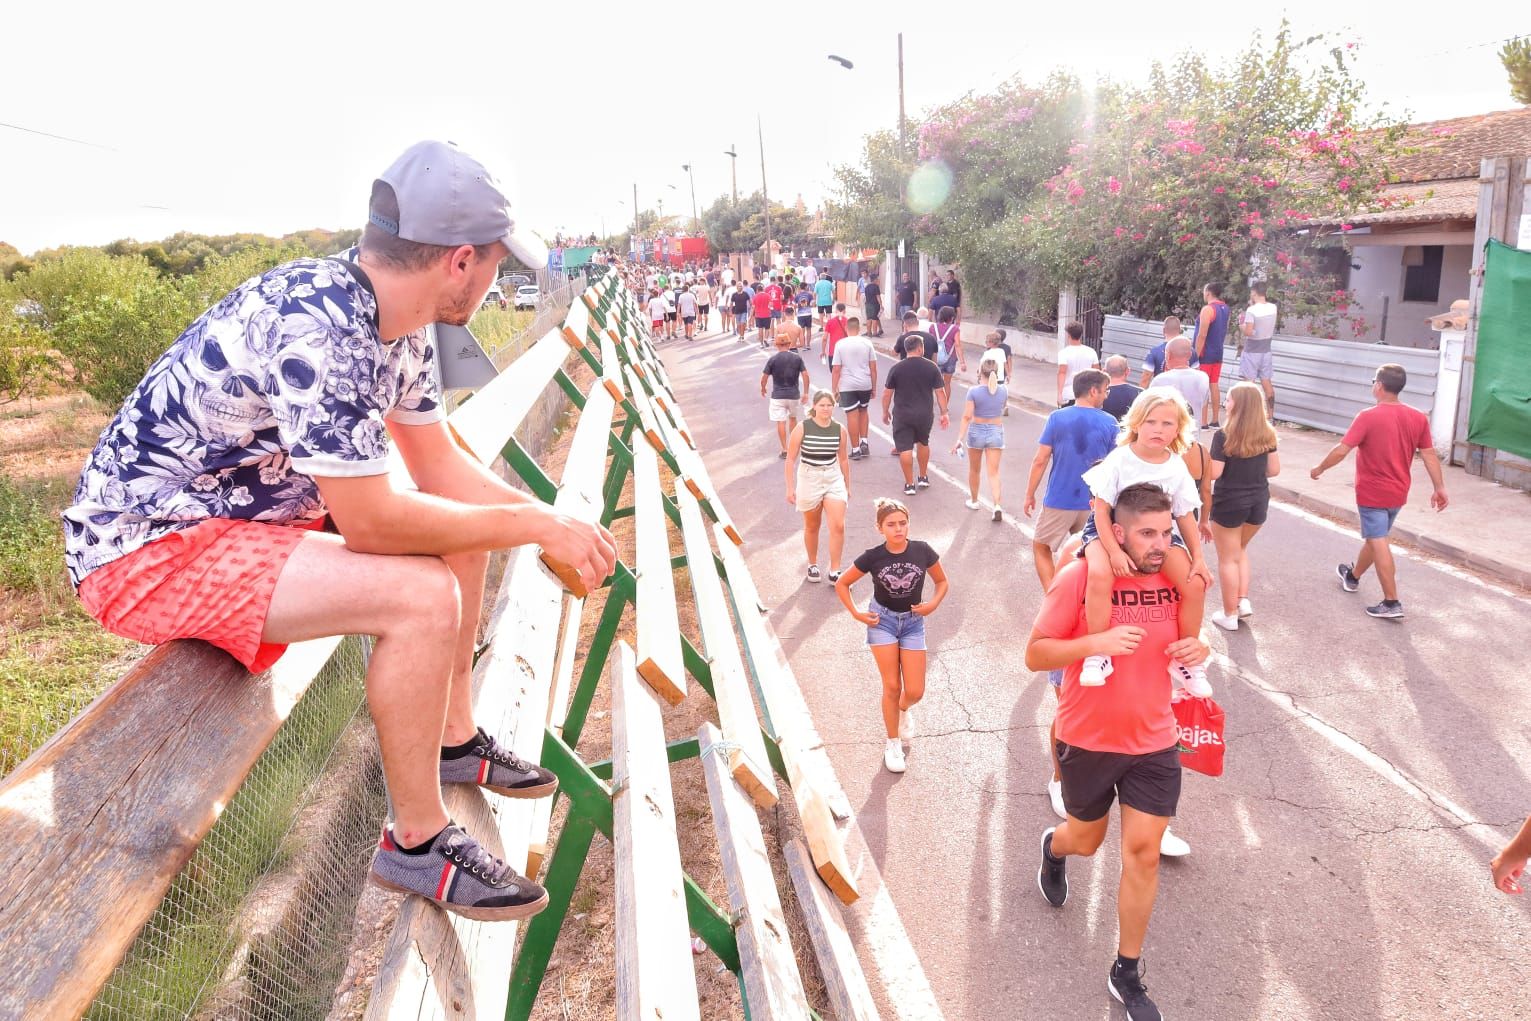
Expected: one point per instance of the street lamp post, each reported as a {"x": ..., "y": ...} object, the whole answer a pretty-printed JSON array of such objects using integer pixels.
[
  {"x": 733, "y": 171},
  {"x": 765, "y": 193},
  {"x": 695, "y": 223}
]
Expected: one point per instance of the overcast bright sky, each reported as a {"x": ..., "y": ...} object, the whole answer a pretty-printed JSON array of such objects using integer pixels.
[{"x": 270, "y": 117}]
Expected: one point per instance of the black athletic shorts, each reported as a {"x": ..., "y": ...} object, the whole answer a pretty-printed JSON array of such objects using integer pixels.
[
  {"x": 907, "y": 434},
  {"x": 689, "y": 319},
  {"x": 1238, "y": 510},
  {"x": 1092, "y": 780},
  {"x": 703, "y": 309},
  {"x": 855, "y": 400},
  {"x": 669, "y": 317},
  {"x": 824, "y": 310},
  {"x": 763, "y": 322}
]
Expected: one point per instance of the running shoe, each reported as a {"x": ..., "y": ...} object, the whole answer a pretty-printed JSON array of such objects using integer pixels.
[
  {"x": 834, "y": 576},
  {"x": 1171, "y": 846},
  {"x": 1192, "y": 678},
  {"x": 1127, "y": 988},
  {"x": 1390, "y": 609},
  {"x": 1348, "y": 581},
  {"x": 855, "y": 454},
  {"x": 1095, "y": 671},
  {"x": 923, "y": 482},
  {"x": 999, "y": 515},
  {"x": 1245, "y": 608},
  {"x": 457, "y": 874},
  {"x": 782, "y": 455},
  {"x": 1226, "y": 621},
  {"x": 971, "y": 504},
  {"x": 866, "y": 448},
  {"x": 909, "y": 489},
  {"x": 893, "y": 757},
  {"x": 492, "y": 766},
  {"x": 1052, "y": 874},
  {"x": 813, "y": 573},
  {"x": 1055, "y": 795}
]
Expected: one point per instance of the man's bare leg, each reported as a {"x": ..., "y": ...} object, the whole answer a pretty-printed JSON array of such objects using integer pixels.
[
  {"x": 411, "y": 604},
  {"x": 922, "y": 451},
  {"x": 1141, "y": 834},
  {"x": 470, "y": 570}
]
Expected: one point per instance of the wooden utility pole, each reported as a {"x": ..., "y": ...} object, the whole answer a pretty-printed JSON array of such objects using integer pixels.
[
  {"x": 764, "y": 192},
  {"x": 1502, "y": 187}
]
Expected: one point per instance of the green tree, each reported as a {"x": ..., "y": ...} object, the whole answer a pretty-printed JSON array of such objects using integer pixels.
[
  {"x": 870, "y": 212},
  {"x": 108, "y": 318},
  {"x": 25, "y": 359},
  {"x": 1515, "y": 55}
]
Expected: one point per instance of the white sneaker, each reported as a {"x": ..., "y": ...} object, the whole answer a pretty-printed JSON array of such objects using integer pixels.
[
  {"x": 971, "y": 504},
  {"x": 1095, "y": 671},
  {"x": 1192, "y": 678},
  {"x": 1055, "y": 795},
  {"x": 1245, "y": 610},
  {"x": 893, "y": 757},
  {"x": 905, "y": 725},
  {"x": 1226, "y": 621},
  {"x": 1171, "y": 846}
]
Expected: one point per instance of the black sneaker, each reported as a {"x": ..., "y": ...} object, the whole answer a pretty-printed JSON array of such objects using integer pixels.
[
  {"x": 833, "y": 576},
  {"x": 1390, "y": 609},
  {"x": 909, "y": 489},
  {"x": 1348, "y": 581},
  {"x": 459, "y": 875},
  {"x": 494, "y": 767},
  {"x": 813, "y": 572},
  {"x": 782, "y": 455},
  {"x": 1127, "y": 988},
  {"x": 1052, "y": 874},
  {"x": 866, "y": 448},
  {"x": 922, "y": 482}
]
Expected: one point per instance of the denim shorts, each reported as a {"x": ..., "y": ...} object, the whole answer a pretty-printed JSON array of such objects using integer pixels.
[
  {"x": 1377, "y": 522},
  {"x": 986, "y": 436},
  {"x": 906, "y": 630}
]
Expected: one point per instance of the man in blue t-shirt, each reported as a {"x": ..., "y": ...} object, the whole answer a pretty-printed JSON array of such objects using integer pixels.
[
  {"x": 1073, "y": 439},
  {"x": 824, "y": 297}
]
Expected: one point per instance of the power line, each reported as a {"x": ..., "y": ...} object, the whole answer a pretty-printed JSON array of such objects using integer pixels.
[{"x": 61, "y": 138}]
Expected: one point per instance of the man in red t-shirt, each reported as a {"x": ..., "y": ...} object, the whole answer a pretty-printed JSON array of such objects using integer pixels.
[
  {"x": 1384, "y": 438},
  {"x": 1118, "y": 742},
  {"x": 834, "y": 331},
  {"x": 760, "y": 306}
]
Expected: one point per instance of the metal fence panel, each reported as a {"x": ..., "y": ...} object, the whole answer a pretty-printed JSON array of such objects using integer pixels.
[{"x": 1322, "y": 384}]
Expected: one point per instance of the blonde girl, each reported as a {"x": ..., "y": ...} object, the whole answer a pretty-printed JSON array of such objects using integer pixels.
[
  {"x": 983, "y": 426},
  {"x": 1157, "y": 431},
  {"x": 895, "y": 618},
  {"x": 1243, "y": 463},
  {"x": 820, "y": 487}
]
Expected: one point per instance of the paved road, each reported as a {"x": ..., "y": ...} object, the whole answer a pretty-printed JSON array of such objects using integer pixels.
[{"x": 1339, "y": 865}]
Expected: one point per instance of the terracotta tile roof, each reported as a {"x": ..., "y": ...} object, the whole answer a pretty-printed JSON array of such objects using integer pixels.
[
  {"x": 1454, "y": 148},
  {"x": 1428, "y": 203}
]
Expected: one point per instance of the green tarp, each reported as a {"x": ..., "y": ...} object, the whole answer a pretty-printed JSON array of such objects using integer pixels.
[{"x": 1501, "y": 402}]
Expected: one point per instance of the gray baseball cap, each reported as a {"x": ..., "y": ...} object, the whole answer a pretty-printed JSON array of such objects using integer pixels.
[{"x": 446, "y": 197}]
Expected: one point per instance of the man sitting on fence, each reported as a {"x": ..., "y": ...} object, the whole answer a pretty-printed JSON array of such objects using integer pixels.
[{"x": 211, "y": 505}]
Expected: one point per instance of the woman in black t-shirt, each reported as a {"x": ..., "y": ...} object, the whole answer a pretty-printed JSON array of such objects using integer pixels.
[
  {"x": 1242, "y": 463},
  {"x": 895, "y": 618}
]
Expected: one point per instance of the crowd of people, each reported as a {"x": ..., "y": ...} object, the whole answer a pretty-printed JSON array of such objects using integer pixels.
[{"x": 1141, "y": 478}]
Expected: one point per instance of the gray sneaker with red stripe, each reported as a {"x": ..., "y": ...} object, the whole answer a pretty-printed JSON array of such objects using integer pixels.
[
  {"x": 494, "y": 767},
  {"x": 459, "y": 875}
]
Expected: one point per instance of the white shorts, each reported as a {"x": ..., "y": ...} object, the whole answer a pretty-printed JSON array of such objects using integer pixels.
[
  {"x": 783, "y": 408},
  {"x": 817, "y": 483}
]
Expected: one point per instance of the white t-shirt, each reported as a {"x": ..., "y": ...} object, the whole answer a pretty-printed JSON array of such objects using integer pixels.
[
  {"x": 728, "y": 278},
  {"x": 1122, "y": 468},
  {"x": 1263, "y": 317},
  {"x": 656, "y": 307},
  {"x": 854, "y": 355},
  {"x": 1192, "y": 384},
  {"x": 686, "y": 303},
  {"x": 703, "y": 293},
  {"x": 997, "y": 356},
  {"x": 690, "y": 277},
  {"x": 1077, "y": 358}
]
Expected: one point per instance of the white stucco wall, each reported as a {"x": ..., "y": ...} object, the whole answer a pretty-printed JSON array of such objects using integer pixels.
[{"x": 1381, "y": 274}]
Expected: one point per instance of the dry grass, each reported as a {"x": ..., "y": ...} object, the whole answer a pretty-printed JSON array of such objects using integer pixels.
[{"x": 581, "y": 977}]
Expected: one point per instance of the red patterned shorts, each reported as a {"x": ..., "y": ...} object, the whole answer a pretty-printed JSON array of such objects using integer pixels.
[{"x": 212, "y": 581}]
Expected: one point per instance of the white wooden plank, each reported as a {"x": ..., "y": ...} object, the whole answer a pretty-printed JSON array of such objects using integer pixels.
[
  {"x": 656, "y": 980},
  {"x": 584, "y": 476},
  {"x": 772, "y": 985},
  {"x": 659, "y": 658},
  {"x": 747, "y": 759},
  {"x": 844, "y": 980},
  {"x": 486, "y": 421}
]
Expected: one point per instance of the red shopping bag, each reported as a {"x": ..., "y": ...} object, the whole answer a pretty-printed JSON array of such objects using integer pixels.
[{"x": 1199, "y": 729}]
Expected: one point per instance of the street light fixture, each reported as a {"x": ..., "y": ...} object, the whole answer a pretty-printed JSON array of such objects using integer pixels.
[{"x": 841, "y": 61}]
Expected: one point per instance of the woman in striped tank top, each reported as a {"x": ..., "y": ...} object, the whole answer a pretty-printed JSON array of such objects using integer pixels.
[{"x": 820, "y": 487}]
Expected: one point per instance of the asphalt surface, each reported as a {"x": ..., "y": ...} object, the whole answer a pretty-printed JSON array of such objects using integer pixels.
[{"x": 1338, "y": 867}]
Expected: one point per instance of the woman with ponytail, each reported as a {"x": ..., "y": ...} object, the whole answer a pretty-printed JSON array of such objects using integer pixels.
[{"x": 983, "y": 427}]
